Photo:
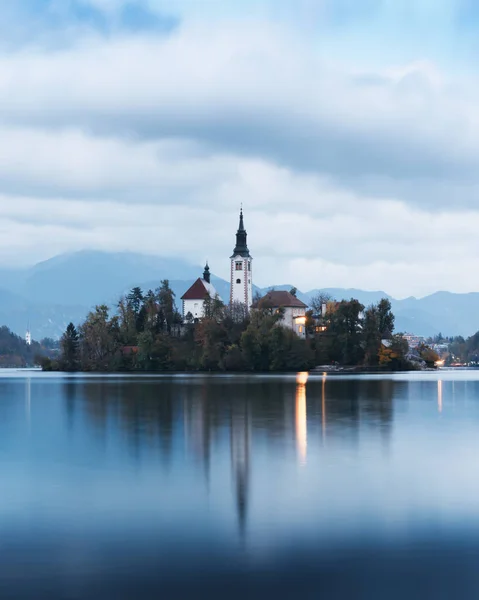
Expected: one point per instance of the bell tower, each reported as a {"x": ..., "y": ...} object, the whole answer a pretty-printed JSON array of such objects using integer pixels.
[{"x": 241, "y": 269}]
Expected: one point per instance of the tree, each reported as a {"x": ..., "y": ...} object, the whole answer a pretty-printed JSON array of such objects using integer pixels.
[
  {"x": 135, "y": 300},
  {"x": 49, "y": 343},
  {"x": 320, "y": 299},
  {"x": 428, "y": 355},
  {"x": 127, "y": 323},
  {"x": 213, "y": 308},
  {"x": 385, "y": 319},
  {"x": 346, "y": 329},
  {"x": 371, "y": 336},
  {"x": 100, "y": 339},
  {"x": 394, "y": 355},
  {"x": 70, "y": 345},
  {"x": 211, "y": 338},
  {"x": 168, "y": 313},
  {"x": 236, "y": 312}
]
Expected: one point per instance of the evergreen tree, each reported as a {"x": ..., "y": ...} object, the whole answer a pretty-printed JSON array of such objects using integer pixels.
[
  {"x": 385, "y": 319},
  {"x": 70, "y": 343},
  {"x": 135, "y": 300},
  {"x": 168, "y": 314},
  {"x": 346, "y": 328}
]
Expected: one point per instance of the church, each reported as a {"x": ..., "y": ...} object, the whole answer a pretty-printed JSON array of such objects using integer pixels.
[
  {"x": 241, "y": 280},
  {"x": 241, "y": 290}
]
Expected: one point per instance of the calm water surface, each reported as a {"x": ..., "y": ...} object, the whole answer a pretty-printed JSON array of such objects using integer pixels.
[{"x": 232, "y": 486}]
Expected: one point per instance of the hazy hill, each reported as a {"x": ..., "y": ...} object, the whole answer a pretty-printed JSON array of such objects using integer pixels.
[{"x": 51, "y": 293}]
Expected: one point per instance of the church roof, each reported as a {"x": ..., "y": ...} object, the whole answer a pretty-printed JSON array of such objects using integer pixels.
[
  {"x": 199, "y": 290},
  {"x": 275, "y": 299}
]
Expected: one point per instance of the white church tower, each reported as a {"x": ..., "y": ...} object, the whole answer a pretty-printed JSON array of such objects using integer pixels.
[{"x": 241, "y": 269}]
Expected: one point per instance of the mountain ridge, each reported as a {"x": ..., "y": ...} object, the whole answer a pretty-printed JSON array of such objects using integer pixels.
[{"x": 51, "y": 293}]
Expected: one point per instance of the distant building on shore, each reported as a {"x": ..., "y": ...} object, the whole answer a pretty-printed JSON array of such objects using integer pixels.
[{"x": 413, "y": 340}]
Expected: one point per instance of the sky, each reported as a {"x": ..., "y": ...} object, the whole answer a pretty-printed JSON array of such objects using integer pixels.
[{"x": 348, "y": 129}]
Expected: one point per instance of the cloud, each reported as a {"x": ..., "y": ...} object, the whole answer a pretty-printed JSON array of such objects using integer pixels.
[
  {"x": 144, "y": 125},
  {"x": 257, "y": 92}
]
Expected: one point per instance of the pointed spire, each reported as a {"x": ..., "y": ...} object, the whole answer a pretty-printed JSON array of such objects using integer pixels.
[
  {"x": 206, "y": 273},
  {"x": 241, "y": 247},
  {"x": 241, "y": 223}
]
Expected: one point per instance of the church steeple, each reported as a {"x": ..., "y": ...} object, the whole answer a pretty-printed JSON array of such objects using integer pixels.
[
  {"x": 206, "y": 273},
  {"x": 241, "y": 248},
  {"x": 241, "y": 269}
]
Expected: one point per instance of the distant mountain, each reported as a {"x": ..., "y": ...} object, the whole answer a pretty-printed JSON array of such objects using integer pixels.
[
  {"x": 87, "y": 278},
  {"x": 64, "y": 288},
  {"x": 52, "y": 293}
]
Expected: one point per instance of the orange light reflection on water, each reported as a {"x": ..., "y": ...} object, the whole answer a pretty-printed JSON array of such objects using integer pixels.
[{"x": 301, "y": 416}]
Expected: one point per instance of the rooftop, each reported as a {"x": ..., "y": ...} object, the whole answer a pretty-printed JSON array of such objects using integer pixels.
[
  {"x": 199, "y": 290},
  {"x": 275, "y": 299}
]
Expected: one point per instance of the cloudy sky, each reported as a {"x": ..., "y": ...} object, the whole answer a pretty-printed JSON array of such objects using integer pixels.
[{"x": 349, "y": 130}]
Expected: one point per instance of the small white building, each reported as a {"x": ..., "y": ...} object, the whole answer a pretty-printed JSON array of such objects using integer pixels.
[
  {"x": 294, "y": 316},
  {"x": 194, "y": 298}
]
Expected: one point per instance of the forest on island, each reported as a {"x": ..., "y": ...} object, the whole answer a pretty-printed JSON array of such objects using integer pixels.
[{"x": 147, "y": 333}]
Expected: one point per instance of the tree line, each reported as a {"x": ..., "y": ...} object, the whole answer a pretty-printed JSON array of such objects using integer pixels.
[
  {"x": 16, "y": 353},
  {"x": 146, "y": 332}
]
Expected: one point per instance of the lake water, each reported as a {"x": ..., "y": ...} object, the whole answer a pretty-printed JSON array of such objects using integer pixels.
[{"x": 239, "y": 487}]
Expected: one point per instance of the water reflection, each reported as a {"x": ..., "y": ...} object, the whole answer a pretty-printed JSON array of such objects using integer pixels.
[
  {"x": 301, "y": 416},
  {"x": 240, "y": 458},
  {"x": 28, "y": 400},
  {"x": 163, "y": 468},
  {"x": 152, "y": 418},
  {"x": 323, "y": 406}
]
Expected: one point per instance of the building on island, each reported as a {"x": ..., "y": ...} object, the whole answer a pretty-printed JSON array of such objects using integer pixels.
[
  {"x": 294, "y": 315},
  {"x": 194, "y": 298},
  {"x": 241, "y": 269},
  {"x": 413, "y": 340}
]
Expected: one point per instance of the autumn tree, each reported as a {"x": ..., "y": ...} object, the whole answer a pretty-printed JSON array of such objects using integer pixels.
[{"x": 100, "y": 338}]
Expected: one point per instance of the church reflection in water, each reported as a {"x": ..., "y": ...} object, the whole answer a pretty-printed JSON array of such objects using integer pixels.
[
  {"x": 198, "y": 421},
  {"x": 240, "y": 458}
]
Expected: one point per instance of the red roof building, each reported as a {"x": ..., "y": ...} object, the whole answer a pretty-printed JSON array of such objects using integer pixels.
[{"x": 193, "y": 299}]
